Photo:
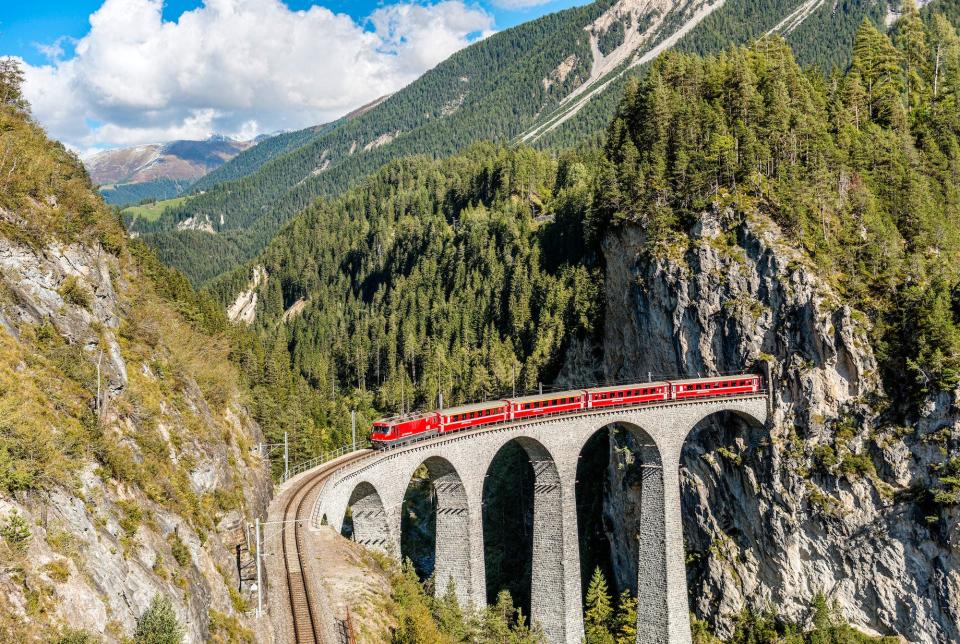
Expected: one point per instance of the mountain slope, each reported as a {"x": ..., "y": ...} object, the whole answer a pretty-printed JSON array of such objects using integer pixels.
[
  {"x": 252, "y": 159},
  {"x": 553, "y": 82},
  {"x": 126, "y": 471}
]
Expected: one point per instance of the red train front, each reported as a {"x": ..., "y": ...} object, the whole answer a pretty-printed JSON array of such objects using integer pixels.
[{"x": 394, "y": 431}]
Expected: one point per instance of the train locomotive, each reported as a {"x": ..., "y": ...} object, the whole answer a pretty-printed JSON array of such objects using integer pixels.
[{"x": 390, "y": 432}]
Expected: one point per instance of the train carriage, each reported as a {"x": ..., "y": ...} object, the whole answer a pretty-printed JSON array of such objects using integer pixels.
[
  {"x": 717, "y": 386},
  {"x": 544, "y": 404},
  {"x": 399, "y": 430},
  {"x": 627, "y": 394},
  {"x": 476, "y": 415}
]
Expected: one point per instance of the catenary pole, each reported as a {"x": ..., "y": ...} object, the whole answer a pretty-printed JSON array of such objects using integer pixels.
[
  {"x": 286, "y": 457},
  {"x": 353, "y": 427},
  {"x": 259, "y": 580}
]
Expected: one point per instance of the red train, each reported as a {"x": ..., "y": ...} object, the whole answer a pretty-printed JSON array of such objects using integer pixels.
[{"x": 394, "y": 431}]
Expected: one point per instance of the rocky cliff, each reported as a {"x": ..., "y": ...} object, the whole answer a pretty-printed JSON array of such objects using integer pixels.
[
  {"x": 158, "y": 502},
  {"x": 825, "y": 498},
  {"x": 127, "y": 462}
]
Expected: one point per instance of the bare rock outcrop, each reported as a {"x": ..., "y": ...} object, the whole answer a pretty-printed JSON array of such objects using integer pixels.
[
  {"x": 821, "y": 499},
  {"x": 110, "y": 531}
]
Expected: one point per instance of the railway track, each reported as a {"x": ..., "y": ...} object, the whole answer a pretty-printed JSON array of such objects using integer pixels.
[{"x": 306, "y": 623}]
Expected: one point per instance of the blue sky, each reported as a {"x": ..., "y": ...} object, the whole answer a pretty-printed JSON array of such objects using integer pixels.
[
  {"x": 26, "y": 24},
  {"x": 110, "y": 73}
]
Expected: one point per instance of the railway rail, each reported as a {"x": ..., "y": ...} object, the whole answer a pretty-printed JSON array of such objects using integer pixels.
[{"x": 303, "y": 612}]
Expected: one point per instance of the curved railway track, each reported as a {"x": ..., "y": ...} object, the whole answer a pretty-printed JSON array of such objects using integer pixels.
[{"x": 306, "y": 623}]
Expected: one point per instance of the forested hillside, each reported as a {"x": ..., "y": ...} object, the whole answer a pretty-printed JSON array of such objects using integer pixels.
[
  {"x": 860, "y": 167},
  {"x": 460, "y": 276},
  {"x": 439, "y": 275},
  {"x": 539, "y": 81}
]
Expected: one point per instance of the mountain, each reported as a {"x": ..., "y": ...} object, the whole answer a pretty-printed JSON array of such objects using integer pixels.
[
  {"x": 126, "y": 476},
  {"x": 552, "y": 82},
  {"x": 156, "y": 170},
  {"x": 743, "y": 213},
  {"x": 268, "y": 148}
]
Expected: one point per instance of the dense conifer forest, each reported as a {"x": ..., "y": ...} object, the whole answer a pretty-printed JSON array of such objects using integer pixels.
[{"x": 860, "y": 167}]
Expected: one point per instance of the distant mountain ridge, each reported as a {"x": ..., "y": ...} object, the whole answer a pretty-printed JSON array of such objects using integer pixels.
[
  {"x": 177, "y": 160},
  {"x": 160, "y": 170}
]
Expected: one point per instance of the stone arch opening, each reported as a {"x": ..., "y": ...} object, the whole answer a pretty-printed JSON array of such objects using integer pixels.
[
  {"x": 366, "y": 519},
  {"x": 618, "y": 465},
  {"x": 621, "y": 520},
  {"x": 523, "y": 515},
  {"x": 722, "y": 458},
  {"x": 435, "y": 527},
  {"x": 323, "y": 520}
]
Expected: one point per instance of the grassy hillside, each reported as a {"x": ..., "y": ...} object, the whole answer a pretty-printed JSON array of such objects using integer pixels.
[
  {"x": 124, "y": 194},
  {"x": 150, "y": 211}
]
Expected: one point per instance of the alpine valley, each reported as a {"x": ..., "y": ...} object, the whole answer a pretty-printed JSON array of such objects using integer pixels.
[{"x": 619, "y": 192}]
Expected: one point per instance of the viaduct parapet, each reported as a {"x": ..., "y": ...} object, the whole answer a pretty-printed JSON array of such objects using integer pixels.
[{"x": 458, "y": 463}]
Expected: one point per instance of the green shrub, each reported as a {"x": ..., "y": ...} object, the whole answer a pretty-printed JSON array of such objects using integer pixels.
[
  {"x": 16, "y": 532},
  {"x": 131, "y": 516},
  {"x": 857, "y": 465},
  {"x": 75, "y": 636},
  {"x": 227, "y": 629},
  {"x": 159, "y": 624},
  {"x": 179, "y": 549},
  {"x": 58, "y": 570},
  {"x": 74, "y": 292}
]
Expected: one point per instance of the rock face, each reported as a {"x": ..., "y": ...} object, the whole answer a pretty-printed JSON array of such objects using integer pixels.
[
  {"x": 816, "y": 502},
  {"x": 101, "y": 547},
  {"x": 244, "y": 308}
]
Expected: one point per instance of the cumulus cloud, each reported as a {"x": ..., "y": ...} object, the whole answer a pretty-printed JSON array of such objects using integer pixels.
[
  {"x": 239, "y": 67},
  {"x": 518, "y": 4}
]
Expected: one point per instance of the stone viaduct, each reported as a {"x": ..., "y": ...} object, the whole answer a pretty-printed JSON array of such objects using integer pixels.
[{"x": 375, "y": 486}]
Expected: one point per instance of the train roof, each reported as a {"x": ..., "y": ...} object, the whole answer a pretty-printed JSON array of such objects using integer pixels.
[
  {"x": 466, "y": 409},
  {"x": 547, "y": 396},
  {"x": 406, "y": 417},
  {"x": 694, "y": 381},
  {"x": 636, "y": 385}
]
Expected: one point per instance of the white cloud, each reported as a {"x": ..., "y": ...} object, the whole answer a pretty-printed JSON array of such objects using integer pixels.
[
  {"x": 518, "y": 4},
  {"x": 238, "y": 67}
]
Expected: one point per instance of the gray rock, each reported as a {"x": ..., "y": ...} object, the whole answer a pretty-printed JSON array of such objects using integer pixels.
[{"x": 766, "y": 524}]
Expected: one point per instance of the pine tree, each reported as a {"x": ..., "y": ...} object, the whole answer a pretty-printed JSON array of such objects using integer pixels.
[
  {"x": 625, "y": 624},
  {"x": 945, "y": 54},
  {"x": 598, "y": 611},
  {"x": 912, "y": 41},
  {"x": 11, "y": 86},
  {"x": 878, "y": 62}
]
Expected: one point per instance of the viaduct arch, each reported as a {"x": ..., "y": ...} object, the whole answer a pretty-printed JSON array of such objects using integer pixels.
[{"x": 374, "y": 487}]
